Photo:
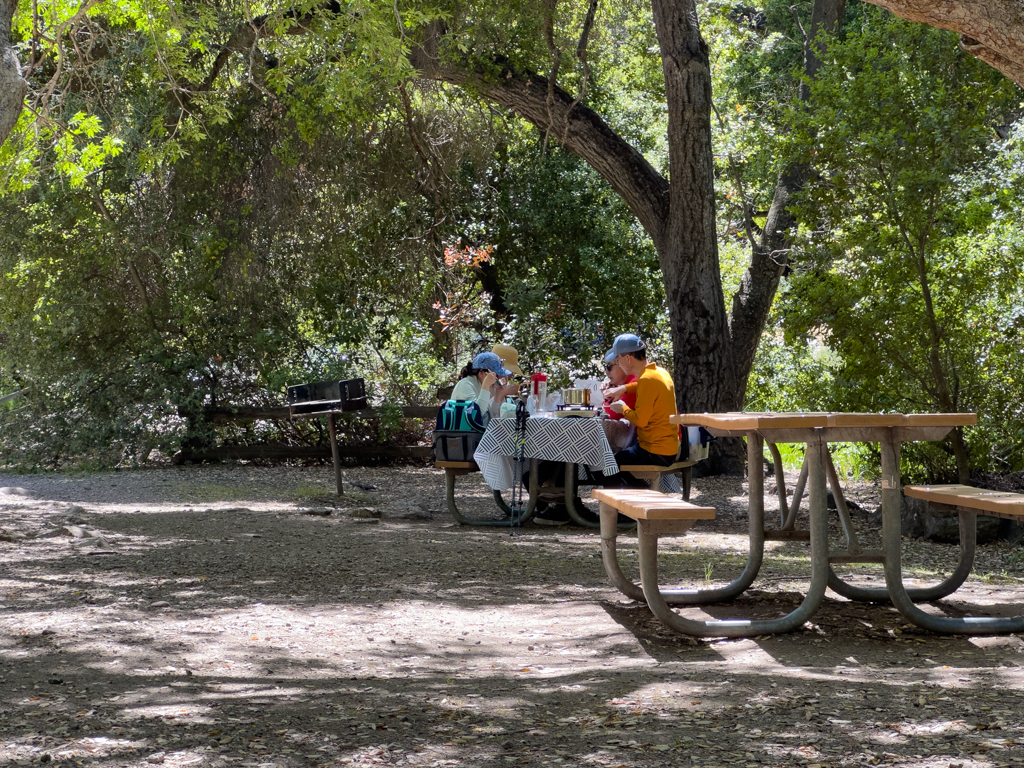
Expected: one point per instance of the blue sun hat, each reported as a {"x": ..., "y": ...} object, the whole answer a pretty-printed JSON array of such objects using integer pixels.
[
  {"x": 624, "y": 343},
  {"x": 488, "y": 361}
]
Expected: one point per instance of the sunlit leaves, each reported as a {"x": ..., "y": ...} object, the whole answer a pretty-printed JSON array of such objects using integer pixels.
[{"x": 905, "y": 265}]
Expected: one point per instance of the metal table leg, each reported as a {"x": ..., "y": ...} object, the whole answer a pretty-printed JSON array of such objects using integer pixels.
[
  {"x": 892, "y": 547},
  {"x": 650, "y": 530},
  {"x": 572, "y": 488},
  {"x": 332, "y": 430},
  {"x": 949, "y": 585},
  {"x": 453, "y": 509},
  {"x": 755, "y": 555}
]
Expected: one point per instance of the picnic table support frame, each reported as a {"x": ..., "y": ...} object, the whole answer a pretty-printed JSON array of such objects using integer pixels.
[
  {"x": 855, "y": 554},
  {"x": 892, "y": 547},
  {"x": 648, "y": 532},
  {"x": 572, "y": 489},
  {"x": 949, "y": 585},
  {"x": 449, "y": 481},
  {"x": 755, "y": 555}
]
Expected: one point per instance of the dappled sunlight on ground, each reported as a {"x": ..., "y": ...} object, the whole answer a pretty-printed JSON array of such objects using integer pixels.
[{"x": 262, "y": 637}]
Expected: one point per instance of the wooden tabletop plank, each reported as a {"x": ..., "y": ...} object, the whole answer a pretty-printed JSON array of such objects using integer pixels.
[
  {"x": 746, "y": 421},
  {"x": 867, "y": 420},
  {"x": 941, "y": 419},
  {"x": 743, "y": 421},
  {"x": 975, "y": 498}
]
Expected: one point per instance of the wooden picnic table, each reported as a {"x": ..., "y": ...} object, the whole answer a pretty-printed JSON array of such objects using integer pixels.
[
  {"x": 816, "y": 431},
  {"x": 580, "y": 444}
]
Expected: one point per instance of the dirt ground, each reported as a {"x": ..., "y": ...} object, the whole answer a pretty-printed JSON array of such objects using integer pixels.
[{"x": 242, "y": 616}]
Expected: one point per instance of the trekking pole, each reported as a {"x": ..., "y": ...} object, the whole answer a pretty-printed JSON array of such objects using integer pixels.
[{"x": 518, "y": 508}]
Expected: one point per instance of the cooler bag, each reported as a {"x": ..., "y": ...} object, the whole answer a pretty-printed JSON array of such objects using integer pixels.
[
  {"x": 460, "y": 416},
  {"x": 459, "y": 427}
]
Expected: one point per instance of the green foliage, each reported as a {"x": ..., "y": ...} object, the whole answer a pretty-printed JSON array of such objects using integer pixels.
[
  {"x": 216, "y": 260},
  {"x": 577, "y": 266},
  {"x": 909, "y": 267},
  {"x": 186, "y": 228}
]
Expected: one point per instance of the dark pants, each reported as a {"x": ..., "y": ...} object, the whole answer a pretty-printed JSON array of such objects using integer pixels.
[
  {"x": 637, "y": 455},
  {"x": 632, "y": 456}
]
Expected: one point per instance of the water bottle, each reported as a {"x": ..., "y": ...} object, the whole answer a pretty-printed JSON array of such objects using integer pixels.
[{"x": 539, "y": 391}]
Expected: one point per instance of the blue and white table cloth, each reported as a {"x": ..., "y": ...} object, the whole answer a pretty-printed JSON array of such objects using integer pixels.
[{"x": 579, "y": 440}]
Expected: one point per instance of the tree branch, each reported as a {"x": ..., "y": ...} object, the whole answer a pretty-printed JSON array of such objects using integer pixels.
[
  {"x": 556, "y": 60},
  {"x": 581, "y": 129},
  {"x": 13, "y": 87},
  {"x": 581, "y": 54},
  {"x": 991, "y": 30},
  {"x": 752, "y": 301}
]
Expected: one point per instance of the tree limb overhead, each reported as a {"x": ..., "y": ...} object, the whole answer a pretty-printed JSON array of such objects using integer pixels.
[
  {"x": 992, "y": 30},
  {"x": 580, "y": 129}
]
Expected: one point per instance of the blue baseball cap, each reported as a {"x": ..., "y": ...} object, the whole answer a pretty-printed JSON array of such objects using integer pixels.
[
  {"x": 488, "y": 361},
  {"x": 626, "y": 342}
]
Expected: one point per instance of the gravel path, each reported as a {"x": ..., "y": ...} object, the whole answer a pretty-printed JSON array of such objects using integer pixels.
[{"x": 247, "y": 617}]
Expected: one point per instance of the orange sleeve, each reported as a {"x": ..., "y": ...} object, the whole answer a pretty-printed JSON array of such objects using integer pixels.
[{"x": 641, "y": 416}]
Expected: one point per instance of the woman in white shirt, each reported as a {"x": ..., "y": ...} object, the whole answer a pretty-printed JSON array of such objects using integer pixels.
[{"x": 484, "y": 381}]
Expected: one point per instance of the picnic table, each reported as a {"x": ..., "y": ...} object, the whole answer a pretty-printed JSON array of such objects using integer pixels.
[
  {"x": 579, "y": 443},
  {"x": 816, "y": 431}
]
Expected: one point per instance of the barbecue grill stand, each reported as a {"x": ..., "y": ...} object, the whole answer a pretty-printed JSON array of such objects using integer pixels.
[{"x": 328, "y": 398}]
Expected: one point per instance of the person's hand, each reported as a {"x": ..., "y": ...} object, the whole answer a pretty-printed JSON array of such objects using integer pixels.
[
  {"x": 614, "y": 393},
  {"x": 510, "y": 390},
  {"x": 489, "y": 380},
  {"x": 618, "y": 405}
]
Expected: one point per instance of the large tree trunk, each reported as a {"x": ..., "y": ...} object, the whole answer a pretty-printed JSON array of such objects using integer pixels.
[
  {"x": 12, "y": 86},
  {"x": 687, "y": 244},
  {"x": 992, "y": 30}
]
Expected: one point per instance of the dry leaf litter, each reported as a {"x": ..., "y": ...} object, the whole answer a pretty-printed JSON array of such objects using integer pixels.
[{"x": 241, "y": 616}]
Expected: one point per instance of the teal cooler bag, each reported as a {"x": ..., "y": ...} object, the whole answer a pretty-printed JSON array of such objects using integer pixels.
[{"x": 460, "y": 424}]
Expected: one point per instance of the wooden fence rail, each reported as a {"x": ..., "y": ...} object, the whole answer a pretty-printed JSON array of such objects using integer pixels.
[
  {"x": 227, "y": 414},
  {"x": 284, "y": 452},
  {"x": 222, "y": 415}
]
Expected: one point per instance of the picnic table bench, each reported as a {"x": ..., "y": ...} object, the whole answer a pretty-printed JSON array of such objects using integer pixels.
[
  {"x": 655, "y": 514},
  {"x": 652, "y": 473},
  {"x": 454, "y": 469},
  {"x": 967, "y": 498}
]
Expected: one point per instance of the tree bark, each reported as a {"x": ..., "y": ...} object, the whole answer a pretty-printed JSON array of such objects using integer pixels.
[
  {"x": 13, "y": 86},
  {"x": 687, "y": 244},
  {"x": 992, "y": 30}
]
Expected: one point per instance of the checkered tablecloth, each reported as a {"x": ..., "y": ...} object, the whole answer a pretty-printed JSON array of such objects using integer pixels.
[{"x": 579, "y": 440}]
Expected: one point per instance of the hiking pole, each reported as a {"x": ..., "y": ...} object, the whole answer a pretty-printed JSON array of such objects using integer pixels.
[{"x": 518, "y": 508}]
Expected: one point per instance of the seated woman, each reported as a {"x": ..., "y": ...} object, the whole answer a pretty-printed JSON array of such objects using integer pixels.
[{"x": 485, "y": 381}]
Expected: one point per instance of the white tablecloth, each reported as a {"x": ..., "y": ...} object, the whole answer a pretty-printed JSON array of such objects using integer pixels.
[{"x": 579, "y": 440}]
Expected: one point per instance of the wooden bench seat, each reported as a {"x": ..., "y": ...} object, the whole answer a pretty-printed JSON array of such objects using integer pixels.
[
  {"x": 468, "y": 466},
  {"x": 968, "y": 498},
  {"x": 661, "y": 470},
  {"x": 656, "y": 514},
  {"x": 643, "y": 504}
]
